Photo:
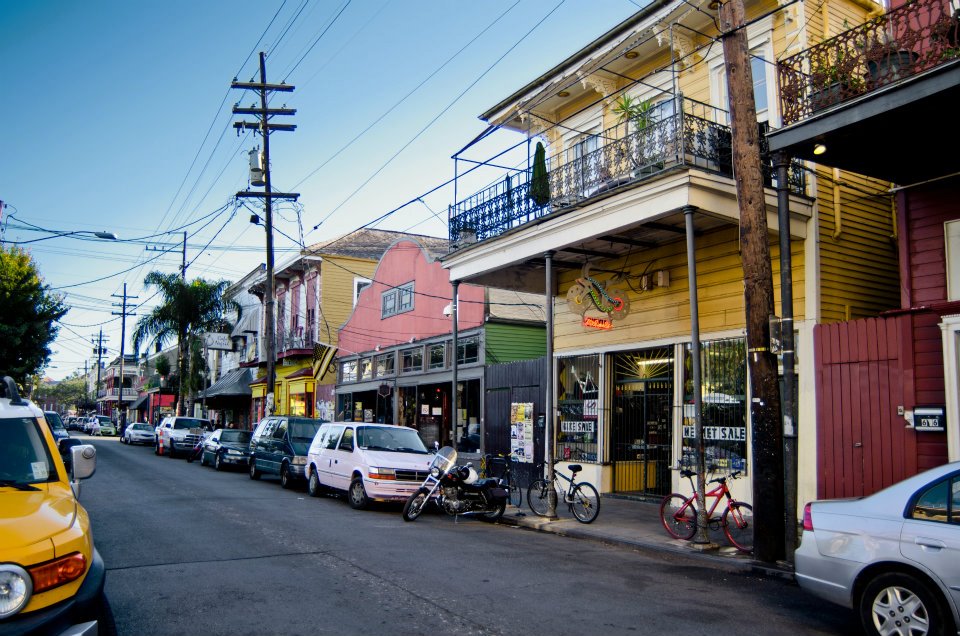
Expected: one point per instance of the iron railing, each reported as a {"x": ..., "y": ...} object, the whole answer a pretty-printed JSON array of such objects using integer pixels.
[
  {"x": 695, "y": 135},
  {"x": 292, "y": 339},
  {"x": 908, "y": 40}
]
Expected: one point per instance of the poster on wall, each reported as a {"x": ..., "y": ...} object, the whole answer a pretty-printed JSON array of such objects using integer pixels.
[{"x": 521, "y": 431}]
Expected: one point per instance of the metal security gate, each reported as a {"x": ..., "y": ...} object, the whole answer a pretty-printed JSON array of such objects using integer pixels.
[{"x": 641, "y": 421}]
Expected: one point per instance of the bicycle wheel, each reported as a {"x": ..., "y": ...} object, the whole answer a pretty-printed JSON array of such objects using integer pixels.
[
  {"x": 515, "y": 494},
  {"x": 679, "y": 516},
  {"x": 585, "y": 503},
  {"x": 738, "y": 525},
  {"x": 537, "y": 495}
]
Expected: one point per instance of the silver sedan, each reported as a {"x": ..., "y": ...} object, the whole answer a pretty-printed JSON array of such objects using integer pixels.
[
  {"x": 138, "y": 433},
  {"x": 894, "y": 557}
]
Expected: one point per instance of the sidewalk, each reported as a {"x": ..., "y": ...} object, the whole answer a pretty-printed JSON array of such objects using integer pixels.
[{"x": 636, "y": 524}]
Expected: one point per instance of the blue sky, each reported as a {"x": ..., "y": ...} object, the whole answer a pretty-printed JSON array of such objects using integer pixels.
[{"x": 118, "y": 118}]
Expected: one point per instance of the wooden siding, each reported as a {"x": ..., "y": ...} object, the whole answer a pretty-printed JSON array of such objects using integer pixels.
[
  {"x": 859, "y": 274},
  {"x": 336, "y": 292},
  {"x": 509, "y": 343},
  {"x": 514, "y": 382},
  {"x": 926, "y": 210},
  {"x": 665, "y": 312}
]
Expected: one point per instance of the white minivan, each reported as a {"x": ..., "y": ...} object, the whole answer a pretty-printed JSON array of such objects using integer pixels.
[{"x": 370, "y": 462}]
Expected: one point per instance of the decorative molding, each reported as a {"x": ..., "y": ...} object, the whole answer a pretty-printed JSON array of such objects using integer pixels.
[
  {"x": 537, "y": 124},
  {"x": 683, "y": 45},
  {"x": 603, "y": 85}
]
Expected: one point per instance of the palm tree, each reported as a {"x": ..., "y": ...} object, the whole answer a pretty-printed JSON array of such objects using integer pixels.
[{"x": 185, "y": 312}]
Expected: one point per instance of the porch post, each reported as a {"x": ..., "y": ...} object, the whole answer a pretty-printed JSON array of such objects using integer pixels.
[
  {"x": 453, "y": 315},
  {"x": 551, "y": 385},
  {"x": 782, "y": 162},
  {"x": 702, "y": 538}
]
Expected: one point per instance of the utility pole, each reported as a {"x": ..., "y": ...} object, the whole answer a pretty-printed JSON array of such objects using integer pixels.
[
  {"x": 767, "y": 469},
  {"x": 99, "y": 351},
  {"x": 264, "y": 127},
  {"x": 122, "y": 418}
]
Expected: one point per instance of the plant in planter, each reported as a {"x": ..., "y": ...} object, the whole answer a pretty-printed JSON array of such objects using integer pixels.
[
  {"x": 946, "y": 32},
  {"x": 833, "y": 77},
  {"x": 642, "y": 114},
  {"x": 887, "y": 59}
]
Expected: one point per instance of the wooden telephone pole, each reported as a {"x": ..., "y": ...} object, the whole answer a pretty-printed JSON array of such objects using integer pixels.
[
  {"x": 767, "y": 458},
  {"x": 264, "y": 127}
]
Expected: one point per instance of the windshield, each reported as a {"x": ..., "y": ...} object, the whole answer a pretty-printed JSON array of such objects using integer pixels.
[
  {"x": 103, "y": 419},
  {"x": 381, "y": 438},
  {"x": 24, "y": 458},
  {"x": 235, "y": 436},
  {"x": 304, "y": 429},
  {"x": 142, "y": 427},
  {"x": 189, "y": 422},
  {"x": 445, "y": 460}
]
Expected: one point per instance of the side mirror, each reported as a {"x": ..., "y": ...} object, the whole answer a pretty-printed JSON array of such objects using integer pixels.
[{"x": 84, "y": 460}]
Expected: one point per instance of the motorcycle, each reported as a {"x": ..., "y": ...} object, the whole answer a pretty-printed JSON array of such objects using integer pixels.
[{"x": 457, "y": 490}]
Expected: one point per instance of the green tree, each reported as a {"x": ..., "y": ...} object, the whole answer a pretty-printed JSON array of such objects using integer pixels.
[
  {"x": 28, "y": 314},
  {"x": 186, "y": 310}
]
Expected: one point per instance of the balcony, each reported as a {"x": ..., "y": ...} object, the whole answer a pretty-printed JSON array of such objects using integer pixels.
[
  {"x": 875, "y": 96},
  {"x": 693, "y": 137},
  {"x": 295, "y": 341},
  {"x": 111, "y": 395}
]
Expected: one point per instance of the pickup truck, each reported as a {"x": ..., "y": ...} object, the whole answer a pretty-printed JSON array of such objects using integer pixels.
[{"x": 178, "y": 434}]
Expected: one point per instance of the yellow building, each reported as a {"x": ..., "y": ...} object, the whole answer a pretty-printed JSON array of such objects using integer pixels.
[{"x": 639, "y": 176}]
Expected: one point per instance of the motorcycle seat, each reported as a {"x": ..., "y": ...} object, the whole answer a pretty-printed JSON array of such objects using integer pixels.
[{"x": 487, "y": 482}]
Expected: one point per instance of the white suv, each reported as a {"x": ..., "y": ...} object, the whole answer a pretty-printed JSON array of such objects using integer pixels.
[{"x": 371, "y": 462}]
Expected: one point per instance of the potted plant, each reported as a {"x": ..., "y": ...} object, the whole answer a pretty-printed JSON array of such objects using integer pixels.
[
  {"x": 833, "y": 77},
  {"x": 887, "y": 59},
  {"x": 642, "y": 114}
]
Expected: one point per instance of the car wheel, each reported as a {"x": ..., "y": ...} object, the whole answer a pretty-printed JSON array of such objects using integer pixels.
[
  {"x": 106, "y": 625},
  {"x": 314, "y": 487},
  {"x": 171, "y": 453},
  {"x": 357, "y": 495},
  {"x": 900, "y": 603},
  {"x": 254, "y": 473},
  {"x": 218, "y": 462},
  {"x": 203, "y": 458},
  {"x": 286, "y": 481},
  {"x": 156, "y": 449}
]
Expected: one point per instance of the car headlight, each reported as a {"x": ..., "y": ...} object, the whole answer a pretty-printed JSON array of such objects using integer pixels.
[
  {"x": 230, "y": 451},
  {"x": 16, "y": 588},
  {"x": 382, "y": 473},
  {"x": 299, "y": 461}
]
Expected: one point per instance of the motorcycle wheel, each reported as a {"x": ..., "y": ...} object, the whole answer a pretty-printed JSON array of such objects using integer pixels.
[
  {"x": 495, "y": 513},
  {"x": 415, "y": 504}
]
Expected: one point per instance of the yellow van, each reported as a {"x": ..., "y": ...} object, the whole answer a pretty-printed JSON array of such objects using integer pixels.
[{"x": 51, "y": 576}]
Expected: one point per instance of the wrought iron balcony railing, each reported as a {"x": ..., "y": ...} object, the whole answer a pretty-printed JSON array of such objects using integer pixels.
[
  {"x": 695, "y": 135},
  {"x": 294, "y": 339},
  {"x": 908, "y": 40}
]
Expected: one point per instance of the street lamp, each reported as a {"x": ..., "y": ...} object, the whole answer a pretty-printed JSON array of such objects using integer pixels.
[{"x": 104, "y": 235}]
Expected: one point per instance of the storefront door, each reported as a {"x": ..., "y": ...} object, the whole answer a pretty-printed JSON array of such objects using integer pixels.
[{"x": 641, "y": 421}]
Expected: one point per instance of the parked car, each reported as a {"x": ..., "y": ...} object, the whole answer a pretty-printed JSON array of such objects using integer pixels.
[
  {"x": 177, "y": 434},
  {"x": 226, "y": 447},
  {"x": 56, "y": 425},
  {"x": 138, "y": 433},
  {"x": 371, "y": 462},
  {"x": 107, "y": 427},
  {"x": 279, "y": 446},
  {"x": 894, "y": 557},
  {"x": 51, "y": 575}
]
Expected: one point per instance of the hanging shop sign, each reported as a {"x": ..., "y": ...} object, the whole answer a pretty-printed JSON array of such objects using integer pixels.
[
  {"x": 218, "y": 341},
  {"x": 598, "y": 302}
]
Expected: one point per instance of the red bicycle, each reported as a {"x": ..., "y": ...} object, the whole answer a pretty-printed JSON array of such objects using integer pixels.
[{"x": 679, "y": 513}]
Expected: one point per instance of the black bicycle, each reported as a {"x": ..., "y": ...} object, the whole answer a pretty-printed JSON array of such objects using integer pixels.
[{"x": 581, "y": 498}]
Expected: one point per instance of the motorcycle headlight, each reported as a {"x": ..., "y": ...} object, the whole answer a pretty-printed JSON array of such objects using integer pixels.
[
  {"x": 299, "y": 461},
  {"x": 16, "y": 587},
  {"x": 382, "y": 473},
  {"x": 435, "y": 472}
]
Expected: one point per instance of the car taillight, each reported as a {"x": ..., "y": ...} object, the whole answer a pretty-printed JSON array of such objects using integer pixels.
[
  {"x": 807, "y": 518},
  {"x": 54, "y": 573}
]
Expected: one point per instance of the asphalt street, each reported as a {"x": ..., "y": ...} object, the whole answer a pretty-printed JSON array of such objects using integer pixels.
[{"x": 193, "y": 551}]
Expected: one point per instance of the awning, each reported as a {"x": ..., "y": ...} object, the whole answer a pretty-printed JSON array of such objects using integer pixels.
[
  {"x": 235, "y": 383},
  {"x": 248, "y": 323},
  {"x": 140, "y": 403}
]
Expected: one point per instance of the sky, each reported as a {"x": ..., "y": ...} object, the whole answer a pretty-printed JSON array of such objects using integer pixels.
[{"x": 119, "y": 119}]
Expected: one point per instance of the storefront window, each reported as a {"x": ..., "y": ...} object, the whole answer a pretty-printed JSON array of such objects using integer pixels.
[
  {"x": 412, "y": 359},
  {"x": 438, "y": 356},
  {"x": 348, "y": 371},
  {"x": 384, "y": 364},
  {"x": 366, "y": 368},
  {"x": 724, "y": 406},
  {"x": 298, "y": 404},
  {"x": 345, "y": 407},
  {"x": 578, "y": 397},
  {"x": 468, "y": 350}
]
